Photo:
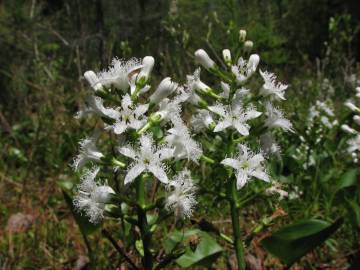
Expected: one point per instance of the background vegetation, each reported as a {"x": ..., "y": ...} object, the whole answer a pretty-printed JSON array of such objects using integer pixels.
[{"x": 47, "y": 45}]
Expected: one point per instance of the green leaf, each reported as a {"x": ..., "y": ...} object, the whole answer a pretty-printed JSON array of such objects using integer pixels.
[
  {"x": 354, "y": 212},
  {"x": 139, "y": 247},
  {"x": 292, "y": 242},
  {"x": 348, "y": 179},
  {"x": 206, "y": 251},
  {"x": 85, "y": 226}
]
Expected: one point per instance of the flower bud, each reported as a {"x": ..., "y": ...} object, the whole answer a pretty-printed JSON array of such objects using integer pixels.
[
  {"x": 227, "y": 56},
  {"x": 242, "y": 35},
  {"x": 348, "y": 129},
  {"x": 202, "y": 58},
  {"x": 253, "y": 62},
  {"x": 356, "y": 118},
  {"x": 248, "y": 45},
  {"x": 165, "y": 88},
  {"x": 148, "y": 64},
  {"x": 351, "y": 106},
  {"x": 93, "y": 80}
]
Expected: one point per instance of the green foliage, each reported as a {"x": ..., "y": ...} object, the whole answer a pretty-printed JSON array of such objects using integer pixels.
[
  {"x": 292, "y": 242},
  {"x": 204, "y": 251}
]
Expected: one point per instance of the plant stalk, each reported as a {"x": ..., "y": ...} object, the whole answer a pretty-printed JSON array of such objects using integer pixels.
[
  {"x": 238, "y": 243},
  {"x": 147, "y": 260}
]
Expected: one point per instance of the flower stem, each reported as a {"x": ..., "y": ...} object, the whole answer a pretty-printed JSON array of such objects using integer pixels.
[
  {"x": 238, "y": 244},
  {"x": 147, "y": 260}
]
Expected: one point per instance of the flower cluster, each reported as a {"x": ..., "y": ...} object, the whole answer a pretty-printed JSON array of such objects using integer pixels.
[
  {"x": 159, "y": 130},
  {"x": 354, "y": 142},
  {"x": 117, "y": 98}
]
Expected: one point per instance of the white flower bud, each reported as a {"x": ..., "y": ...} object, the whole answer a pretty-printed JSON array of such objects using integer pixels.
[
  {"x": 348, "y": 129},
  {"x": 357, "y": 89},
  {"x": 148, "y": 64},
  {"x": 202, "y": 58},
  {"x": 93, "y": 80},
  {"x": 227, "y": 56},
  {"x": 357, "y": 119},
  {"x": 248, "y": 45},
  {"x": 351, "y": 106},
  {"x": 253, "y": 62},
  {"x": 165, "y": 88},
  {"x": 242, "y": 35}
]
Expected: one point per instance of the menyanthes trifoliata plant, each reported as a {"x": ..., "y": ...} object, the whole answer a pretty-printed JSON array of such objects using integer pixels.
[
  {"x": 159, "y": 147},
  {"x": 353, "y": 144}
]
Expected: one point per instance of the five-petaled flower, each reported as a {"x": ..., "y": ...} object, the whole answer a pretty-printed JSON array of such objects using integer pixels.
[
  {"x": 147, "y": 158},
  {"x": 181, "y": 197},
  {"x": 92, "y": 197},
  {"x": 247, "y": 165}
]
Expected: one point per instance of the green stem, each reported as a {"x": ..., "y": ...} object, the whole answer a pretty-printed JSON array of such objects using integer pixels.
[
  {"x": 147, "y": 260},
  {"x": 238, "y": 244}
]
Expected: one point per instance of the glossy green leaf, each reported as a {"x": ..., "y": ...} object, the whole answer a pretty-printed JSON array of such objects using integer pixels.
[
  {"x": 292, "y": 242},
  {"x": 85, "y": 226},
  {"x": 206, "y": 250}
]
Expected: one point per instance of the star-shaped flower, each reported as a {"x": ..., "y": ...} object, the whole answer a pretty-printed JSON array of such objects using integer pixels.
[
  {"x": 247, "y": 165},
  {"x": 147, "y": 158}
]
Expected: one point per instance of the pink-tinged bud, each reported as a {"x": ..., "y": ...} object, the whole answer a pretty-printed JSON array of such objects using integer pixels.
[
  {"x": 93, "y": 80},
  {"x": 165, "y": 88},
  {"x": 202, "y": 58}
]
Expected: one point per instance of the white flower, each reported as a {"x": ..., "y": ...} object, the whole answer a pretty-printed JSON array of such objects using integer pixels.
[
  {"x": 245, "y": 69},
  {"x": 271, "y": 88},
  {"x": 93, "y": 80},
  {"x": 96, "y": 106},
  {"x": 88, "y": 152},
  {"x": 202, "y": 58},
  {"x": 148, "y": 64},
  {"x": 169, "y": 110},
  {"x": 185, "y": 147},
  {"x": 92, "y": 197},
  {"x": 181, "y": 198},
  {"x": 130, "y": 117},
  {"x": 147, "y": 158},
  {"x": 165, "y": 88},
  {"x": 247, "y": 165},
  {"x": 194, "y": 83},
  {"x": 269, "y": 145},
  {"x": 276, "y": 188},
  {"x": 202, "y": 120},
  {"x": 276, "y": 119},
  {"x": 226, "y": 90},
  {"x": 234, "y": 116},
  {"x": 119, "y": 73},
  {"x": 354, "y": 144}
]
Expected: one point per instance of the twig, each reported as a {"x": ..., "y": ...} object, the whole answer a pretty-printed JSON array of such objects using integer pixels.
[{"x": 119, "y": 249}]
